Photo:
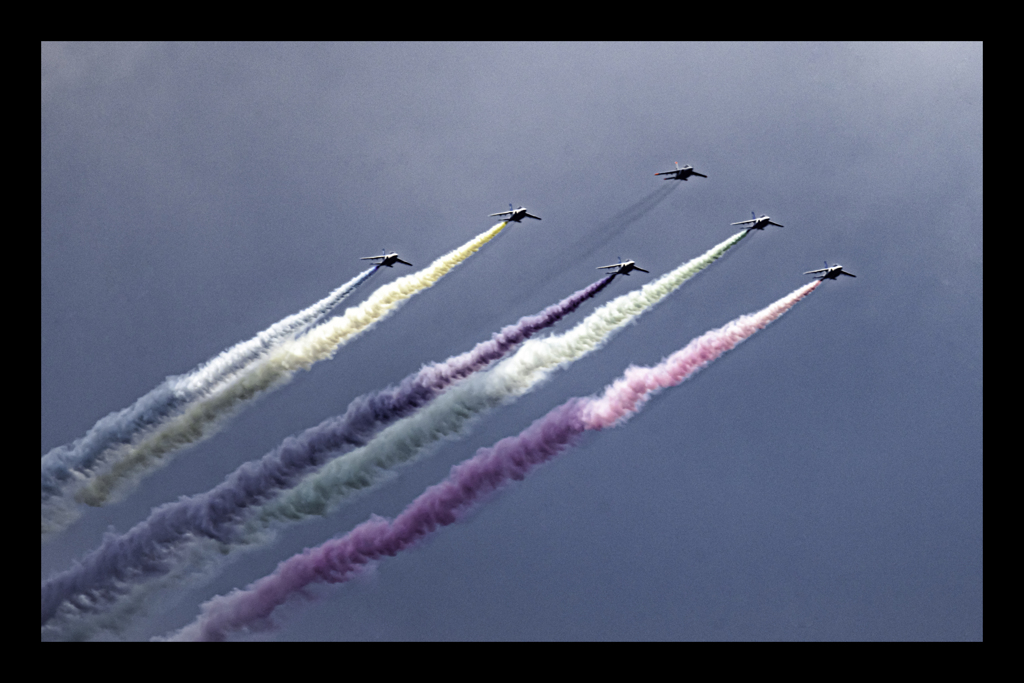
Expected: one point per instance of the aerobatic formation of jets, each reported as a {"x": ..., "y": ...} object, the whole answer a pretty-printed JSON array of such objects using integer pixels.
[
  {"x": 92, "y": 578},
  {"x": 683, "y": 172}
]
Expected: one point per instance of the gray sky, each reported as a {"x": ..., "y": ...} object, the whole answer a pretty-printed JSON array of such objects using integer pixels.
[{"x": 823, "y": 481}]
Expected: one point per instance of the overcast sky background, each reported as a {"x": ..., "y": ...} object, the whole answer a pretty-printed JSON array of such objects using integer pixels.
[{"x": 822, "y": 481}]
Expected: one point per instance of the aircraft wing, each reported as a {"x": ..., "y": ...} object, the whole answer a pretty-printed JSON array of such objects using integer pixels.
[
  {"x": 500, "y": 213},
  {"x": 845, "y": 273},
  {"x": 371, "y": 258},
  {"x": 641, "y": 269},
  {"x": 666, "y": 173},
  {"x": 614, "y": 265},
  {"x": 777, "y": 225},
  {"x": 530, "y": 215},
  {"x": 744, "y": 222},
  {"x": 700, "y": 174},
  {"x": 819, "y": 270},
  {"x": 398, "y": 260}
]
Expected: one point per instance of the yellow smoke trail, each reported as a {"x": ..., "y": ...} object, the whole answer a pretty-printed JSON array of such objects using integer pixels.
[{"x": 320, "y": 343}]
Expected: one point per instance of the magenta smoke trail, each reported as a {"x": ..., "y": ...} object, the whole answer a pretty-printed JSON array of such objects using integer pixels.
[
  {"x": 512, "y": 458},
  {"x": 143, "y": 551}
]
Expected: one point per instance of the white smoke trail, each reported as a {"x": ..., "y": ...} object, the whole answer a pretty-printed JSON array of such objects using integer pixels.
[{"x": 234, "y": 359}]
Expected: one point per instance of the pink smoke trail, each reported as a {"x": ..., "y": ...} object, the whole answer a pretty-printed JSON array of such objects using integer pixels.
[
  {"x": 512, "y": 458},
  {"x": 622, "y": 399}
]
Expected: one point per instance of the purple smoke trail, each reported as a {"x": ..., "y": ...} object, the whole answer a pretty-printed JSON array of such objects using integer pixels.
[
  {"x": 142, "y": 552},
  {"x": 340, "y": 559}
]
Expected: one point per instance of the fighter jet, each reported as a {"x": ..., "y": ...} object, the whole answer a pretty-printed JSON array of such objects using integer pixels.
[
  {"x": 757, "y": 223},
  {"x": 624, "y": 268},
  {"x": 829, "y": 272},
  {"x": 515, "y": 215},
  {"x": 388, "y": 260},
  {"x": 681, "y": 172}
]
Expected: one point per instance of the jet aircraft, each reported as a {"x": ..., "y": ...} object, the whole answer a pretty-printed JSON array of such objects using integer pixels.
[
  {"x": 829, "y": 272},
  {"x": 757, "y": 223},
  {"x": 515, "y": 215},
  {"x": 624, "y": 268},
  {"x": 388, "y": 260},
  {"x": 681, "y": 172}
]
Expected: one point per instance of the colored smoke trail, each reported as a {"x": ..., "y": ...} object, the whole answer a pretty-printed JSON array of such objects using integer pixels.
[
  {"x": 143, "y": 551},
  {"x": 60, "y": 465},
  {"x": 338, "y": 560},
  {"x": 449, "y": 414},
  {"x": 622, "y": 399},
  {"x": 201, "y": 418}
]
